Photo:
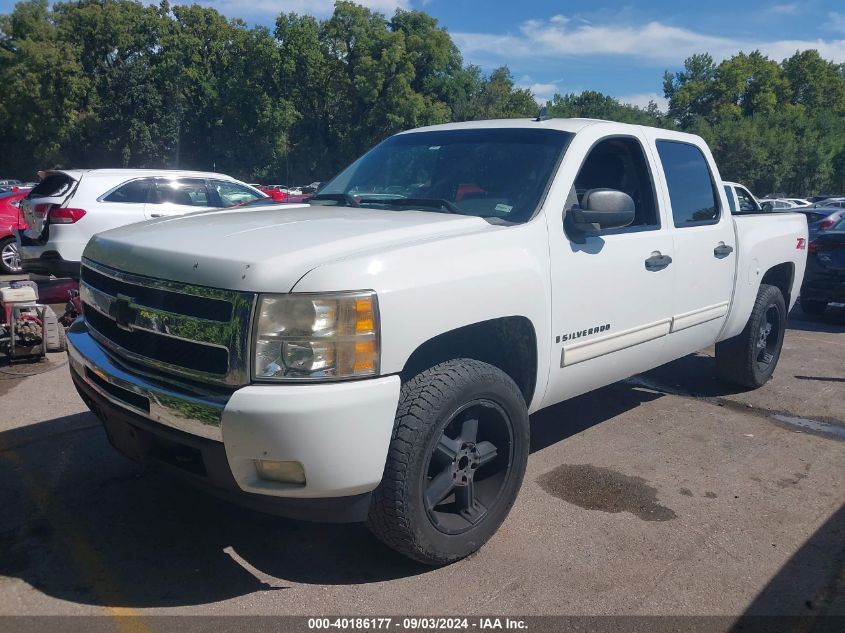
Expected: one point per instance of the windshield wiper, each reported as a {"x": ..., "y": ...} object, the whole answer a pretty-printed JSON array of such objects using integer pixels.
[
  {"x": 345, "y": 198},
  {"x": 438, "y": 203}
]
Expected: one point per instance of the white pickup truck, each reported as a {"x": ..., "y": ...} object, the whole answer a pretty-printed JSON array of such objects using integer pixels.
[{"x": 375, "y": 355}]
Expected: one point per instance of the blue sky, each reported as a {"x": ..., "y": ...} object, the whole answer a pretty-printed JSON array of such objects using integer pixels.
[{"x": 620, "y": 49}]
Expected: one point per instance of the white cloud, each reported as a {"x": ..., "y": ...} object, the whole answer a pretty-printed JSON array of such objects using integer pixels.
[
  {"x": 642, "y": 100},
  {"x": 653, "y": 42},
  {"x": 542, "y": 91},
  {"x": 320, "y": 8}
]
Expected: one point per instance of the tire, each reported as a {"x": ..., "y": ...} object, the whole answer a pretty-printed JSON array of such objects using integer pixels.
[
  {"x": 10, "y": 262},
  {"x": 749, "y": 359},
  {"x": 437, "y": 452},
  {"x": 813, "y": 307},
  {"x": 62, "y": 339}
]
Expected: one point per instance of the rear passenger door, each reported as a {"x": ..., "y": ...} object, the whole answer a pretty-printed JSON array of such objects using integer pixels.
[
  {"x": 175, "y": 196},
  {"x": 123, "y": 204},
  {"x": 704, "y": 244}
]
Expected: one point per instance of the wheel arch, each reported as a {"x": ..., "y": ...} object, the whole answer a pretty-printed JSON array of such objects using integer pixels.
[
  {"x": 782, "y": 276},
  {"x": 509, "y": 343}
]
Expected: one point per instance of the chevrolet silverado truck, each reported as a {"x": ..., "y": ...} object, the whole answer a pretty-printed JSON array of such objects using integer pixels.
[{"x": 374, "y": 355}]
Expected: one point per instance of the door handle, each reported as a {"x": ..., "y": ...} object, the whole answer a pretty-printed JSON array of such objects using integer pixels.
[
  {"x": 657, "y": 261},
  {"x": 722, "y": 250},
  {"x": 156, "y": 215}
]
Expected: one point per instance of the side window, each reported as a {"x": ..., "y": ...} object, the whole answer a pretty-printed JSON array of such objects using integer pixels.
[
  {"x": 232, "y": 193},
  {"x": 134, "y": 191},
  {"x": 730, "y": 196},
  {"x": 620, "y": 163},
  {"x": 190, "y": 192},
  {"x": 691, "y": 189},
  {"x": 747, "y": 204}
]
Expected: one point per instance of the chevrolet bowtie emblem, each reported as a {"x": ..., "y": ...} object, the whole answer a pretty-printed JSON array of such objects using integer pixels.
[{"x": 123, "y": 312}]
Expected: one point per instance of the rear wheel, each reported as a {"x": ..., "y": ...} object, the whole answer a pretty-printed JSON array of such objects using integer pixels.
[
  {"x": 10, "y": 261},
  {"x": 749, "y": 359},
  {"x": 455, "y": 464},
  {"x": 814, "y": 307}
]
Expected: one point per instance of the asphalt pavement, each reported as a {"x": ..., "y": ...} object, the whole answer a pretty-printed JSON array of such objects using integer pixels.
[{"x": 667, "y": 494}]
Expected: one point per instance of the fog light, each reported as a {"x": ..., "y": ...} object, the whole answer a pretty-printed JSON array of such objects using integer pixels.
[{"x": 285, "y": 472}]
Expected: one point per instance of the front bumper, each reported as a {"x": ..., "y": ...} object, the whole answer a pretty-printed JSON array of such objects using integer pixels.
[{"x": 339, "y": 432}]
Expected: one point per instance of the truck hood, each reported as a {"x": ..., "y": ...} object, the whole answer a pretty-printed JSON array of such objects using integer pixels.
[{"x": 265, "y": 249}]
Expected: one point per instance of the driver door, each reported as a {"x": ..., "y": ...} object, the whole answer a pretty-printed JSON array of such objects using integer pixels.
[{"x": 611, "y": 289}]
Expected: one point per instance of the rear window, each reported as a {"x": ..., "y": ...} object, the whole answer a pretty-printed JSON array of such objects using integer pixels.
[{"x": 52, "y": 186}]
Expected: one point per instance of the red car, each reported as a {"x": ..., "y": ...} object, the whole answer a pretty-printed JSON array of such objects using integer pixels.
[
  {"x": 274, "y": 192},
  {"x": 10, "y": 221}
]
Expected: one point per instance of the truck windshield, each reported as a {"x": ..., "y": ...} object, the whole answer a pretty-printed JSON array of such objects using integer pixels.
[{"x": 489, "y": 173}]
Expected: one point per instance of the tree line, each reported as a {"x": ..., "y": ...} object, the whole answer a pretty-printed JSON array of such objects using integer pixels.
[{"x": 119, "y": 83}]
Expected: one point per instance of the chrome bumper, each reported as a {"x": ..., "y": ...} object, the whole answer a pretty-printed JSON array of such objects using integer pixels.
[{"x": 197, "y": 414}]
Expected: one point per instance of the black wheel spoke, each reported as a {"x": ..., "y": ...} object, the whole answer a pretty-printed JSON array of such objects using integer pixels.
[
  {"x": 458, "y": 493},
  {"x": 469, "y": 431},
  {"x": 439, "y": 488},
  {"x": 486, "y": 453},
  {"x": 469, "y": 507},
  {"x": 447, "y": 449}
]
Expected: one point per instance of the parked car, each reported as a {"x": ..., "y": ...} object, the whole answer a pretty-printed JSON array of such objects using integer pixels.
[
  {"x": 777, "y": 204},
  {"x": 10, "y": 222},
  {"x": 799, "y": 202},
  {"x": 740, "y": 199},
  {"x": 820, "y": 218},
  {"x": 822, "y": 198},
  {"x": 69, "y": 206},
  {"x": 824, "y": 281},
  {"x": 829, "y": 203},
  {"x": 376, "y": 354}
]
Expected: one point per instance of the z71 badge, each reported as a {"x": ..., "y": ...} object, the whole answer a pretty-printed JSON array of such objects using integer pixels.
[{"x": 571, "y": 336}]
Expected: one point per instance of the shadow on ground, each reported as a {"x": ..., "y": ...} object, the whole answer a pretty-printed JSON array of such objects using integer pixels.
[
  {"x": 83, "y": 524},
  {"x": 86, "y": 525},
  {"x": 812, "y": 582}
]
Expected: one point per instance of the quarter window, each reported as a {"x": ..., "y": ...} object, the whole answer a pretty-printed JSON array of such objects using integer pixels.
[
  {"x": 134, "y": 191},
  {"x": 692, "y": 193}
]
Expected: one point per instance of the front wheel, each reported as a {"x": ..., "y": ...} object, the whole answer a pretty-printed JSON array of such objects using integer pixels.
[
  {"x": 456, "y": 461},
  {"x": 749, "y": 359},
  {"x": 10, "y": 260}
]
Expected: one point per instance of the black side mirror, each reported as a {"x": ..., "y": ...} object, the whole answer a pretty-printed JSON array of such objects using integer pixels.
[
  {"x": 768, "y": 207},
  {"x": 602, "y": 209}
]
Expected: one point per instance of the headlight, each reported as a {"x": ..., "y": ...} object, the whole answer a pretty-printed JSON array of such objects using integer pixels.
[{"x": 309, "y": 336}]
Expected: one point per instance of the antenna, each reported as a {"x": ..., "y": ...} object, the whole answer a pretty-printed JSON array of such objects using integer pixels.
[{"x": 541, "y": 115}]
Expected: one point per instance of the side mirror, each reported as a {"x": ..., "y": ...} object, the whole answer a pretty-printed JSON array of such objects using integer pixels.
[
  {"x": 602, "y": 209},
  {"x": 768, "y": 207}
]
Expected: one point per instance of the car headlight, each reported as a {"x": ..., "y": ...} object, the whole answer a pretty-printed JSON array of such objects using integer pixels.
[{"x": 316, "y": 336}]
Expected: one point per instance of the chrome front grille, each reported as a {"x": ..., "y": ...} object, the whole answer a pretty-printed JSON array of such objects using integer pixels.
[{"x": 190, "y": 331}]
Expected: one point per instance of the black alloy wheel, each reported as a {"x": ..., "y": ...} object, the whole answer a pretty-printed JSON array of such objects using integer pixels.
[{"x": 468, "y": 466}]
